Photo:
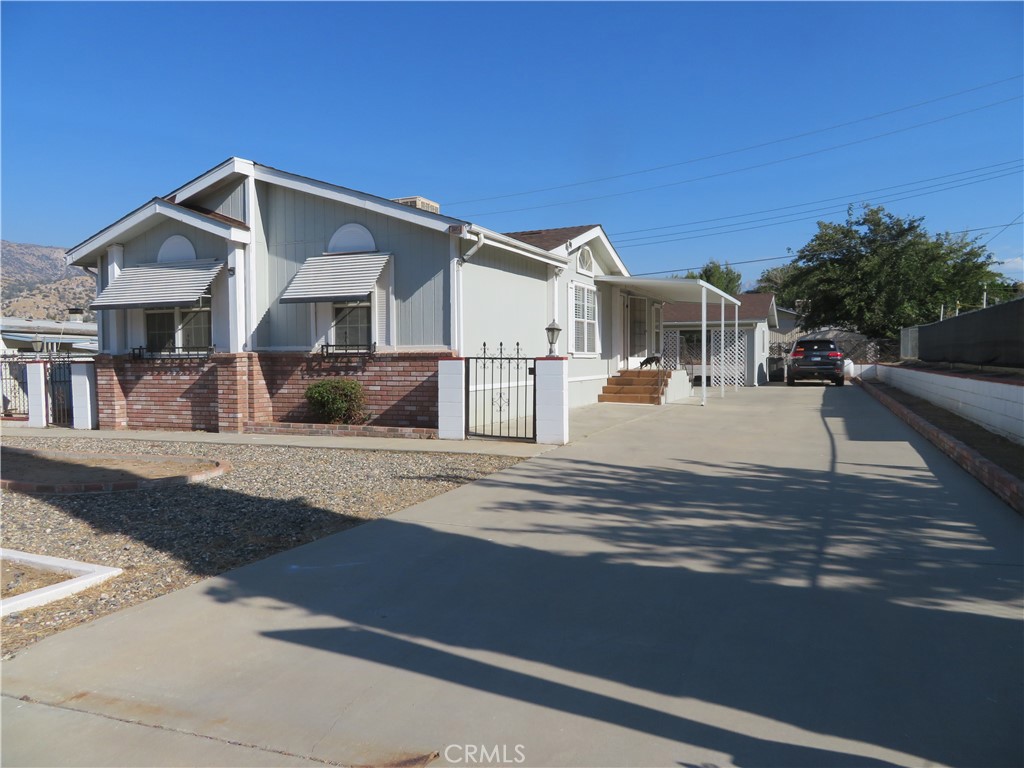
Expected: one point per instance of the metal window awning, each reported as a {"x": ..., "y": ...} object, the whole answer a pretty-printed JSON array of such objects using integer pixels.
[
  {"x": 335, "y": 277},
  {"x": 176, "y": 284}
]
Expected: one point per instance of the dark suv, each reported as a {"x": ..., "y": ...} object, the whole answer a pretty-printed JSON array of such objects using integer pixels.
[{"x": 815, "y": 359}]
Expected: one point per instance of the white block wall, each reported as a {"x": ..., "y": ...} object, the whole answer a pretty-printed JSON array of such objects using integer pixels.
[
  {"x": 85, "y": 414},
  {"x": 451, "y": 399},
  {"x": 997, "y": 407},
  {"x": 552, "y": 400},
  {"x": 38, "y": 402}
]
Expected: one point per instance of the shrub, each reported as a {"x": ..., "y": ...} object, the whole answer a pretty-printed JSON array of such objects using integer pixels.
[{"x": 337, "y": 401}]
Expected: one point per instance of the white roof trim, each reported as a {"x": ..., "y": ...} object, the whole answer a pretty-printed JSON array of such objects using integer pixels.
[
  {"x": 155, "y": 207},
  {"x": 519, "y": 247},
  {"x": 335, "y": 277},
  {"x": 228, "y": 168},
  {"x": 174, "y": 284},
  {"x": 667, "y": 289},
  {"x": 435, "y": 221},
  {"x": 597, "y": 233}
]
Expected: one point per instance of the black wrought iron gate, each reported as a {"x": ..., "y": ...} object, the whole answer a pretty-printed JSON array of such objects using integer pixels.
[
  {"x": 58, "y": 381},
  {"x": 501, "y": 396}
]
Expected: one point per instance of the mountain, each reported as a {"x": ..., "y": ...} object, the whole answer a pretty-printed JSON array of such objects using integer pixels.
[{"x": 36, "y": 284}]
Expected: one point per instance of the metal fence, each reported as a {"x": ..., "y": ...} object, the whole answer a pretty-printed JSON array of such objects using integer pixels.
[
  {"x": 14, "y": 385},
  {"x": 501, "y": 395}
]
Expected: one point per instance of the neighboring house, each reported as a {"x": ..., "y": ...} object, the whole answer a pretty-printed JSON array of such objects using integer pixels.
[
  {"x": 219, "y": 303},
  {"x": 757, "y": 318},
  {"x": 71, "y": 336}
]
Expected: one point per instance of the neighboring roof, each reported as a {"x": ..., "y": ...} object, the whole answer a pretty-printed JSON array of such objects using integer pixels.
[
  {"x": 549, "y": 239},
  {"x": 335, "y": 277},
  {"x": 66, "y": 327},
  {"x": 175, "y": 284},
  {"x": 669, "y": 289},
  {"x": 753, "y": 307}
]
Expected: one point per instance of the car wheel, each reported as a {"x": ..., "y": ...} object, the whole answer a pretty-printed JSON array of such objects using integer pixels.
[
  {"x": 840, "y": 381},
  {"x": 790, "y": 381}
]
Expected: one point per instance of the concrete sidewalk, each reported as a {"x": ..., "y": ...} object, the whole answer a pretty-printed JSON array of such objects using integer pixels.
[
  {"x": 790, "y": 577},
  {"x": 583, "y": 422}
]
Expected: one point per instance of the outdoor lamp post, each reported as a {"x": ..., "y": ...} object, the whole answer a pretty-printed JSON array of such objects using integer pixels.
[
  {"x": 37, "y": 344},
  {"x": 552, "y": 331}
]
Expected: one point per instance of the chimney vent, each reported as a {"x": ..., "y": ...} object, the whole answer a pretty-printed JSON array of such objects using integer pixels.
[
  {"x": 75, "y": 314},
  {"x": 419, "y": 202}
]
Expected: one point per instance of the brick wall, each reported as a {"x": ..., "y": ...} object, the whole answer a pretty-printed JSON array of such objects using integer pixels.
[
  {"x": 400, "y": 387},
  {"x": 237, "y": 392},
  {"x": 156, "y": 394}
]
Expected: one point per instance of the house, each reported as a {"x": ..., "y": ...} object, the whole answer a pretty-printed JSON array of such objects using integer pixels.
[
  {"x": 756, "y": 319},
  {"x": 71, "y": 336},
  {"x": 220, "y": 302}
]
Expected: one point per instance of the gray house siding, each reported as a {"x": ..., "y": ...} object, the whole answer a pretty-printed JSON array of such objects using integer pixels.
[
  {"x": 296, "y": 226},
  {"x": 144, "y": 248},
  {"x": 505, "y": 300},
  {"x": 228, "y": 200}
]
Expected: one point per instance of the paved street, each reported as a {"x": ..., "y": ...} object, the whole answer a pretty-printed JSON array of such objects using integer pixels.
[{"x": 787, "y": 577}]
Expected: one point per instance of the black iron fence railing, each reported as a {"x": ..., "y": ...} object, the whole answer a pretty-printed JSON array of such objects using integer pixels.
[
  {"x": 330, "y": 350},
  {"x": 142, "y": 353}
]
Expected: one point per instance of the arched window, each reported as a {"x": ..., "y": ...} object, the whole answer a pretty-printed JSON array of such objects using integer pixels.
[
  {"x": 176, "y": 248},
  {"x": 352, "y": 238},
  {"x": 585, "y": 261}
]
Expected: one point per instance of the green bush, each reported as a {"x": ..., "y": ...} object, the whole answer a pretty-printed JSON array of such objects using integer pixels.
[{"x": 337, "y": 401}]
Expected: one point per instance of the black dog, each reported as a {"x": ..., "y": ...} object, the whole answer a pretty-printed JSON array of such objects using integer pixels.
[{"x": 653, "y": 360}]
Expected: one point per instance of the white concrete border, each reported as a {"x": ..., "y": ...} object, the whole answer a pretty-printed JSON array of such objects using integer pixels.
[{"x": 88, "y": 575}]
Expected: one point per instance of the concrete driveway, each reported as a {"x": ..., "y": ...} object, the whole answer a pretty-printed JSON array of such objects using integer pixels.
[{"x": 788, "y": 577}]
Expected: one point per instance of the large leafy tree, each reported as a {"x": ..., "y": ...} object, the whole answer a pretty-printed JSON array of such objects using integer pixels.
[
  {"x": 779, "y": 280},
  {"x": 722, "y": 276},
  {"x": 876, "y": 273}
]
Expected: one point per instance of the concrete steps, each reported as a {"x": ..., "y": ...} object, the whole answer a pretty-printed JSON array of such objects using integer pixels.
[{"x": 645, "y": 387}]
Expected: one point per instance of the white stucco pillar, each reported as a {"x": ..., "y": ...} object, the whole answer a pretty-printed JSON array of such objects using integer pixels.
[
  {"x": 237, "y": 331},
  {"x": 110, "y": 322},
  {"x": 84, "y": 411},
  {"x": 38, "y": 402},
  {"x": 552, "y": 381},
  {"x": 451, "y": 399}
]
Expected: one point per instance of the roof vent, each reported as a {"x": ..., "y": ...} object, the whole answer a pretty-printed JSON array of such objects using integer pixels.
[
  {"x": 419, "y": 202},
  {"x": 75, "y": 314}
]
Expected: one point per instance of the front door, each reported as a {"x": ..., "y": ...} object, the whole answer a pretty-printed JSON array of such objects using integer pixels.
[{"x": 637, "y": 329}]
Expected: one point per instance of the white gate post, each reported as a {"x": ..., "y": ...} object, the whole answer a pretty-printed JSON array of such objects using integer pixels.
[
  {"x": 35, "y": 373},
  {"x": 451, "y": 399},
  {"x": 552, "y": 379},
  {"x": 85, "y": 414}
]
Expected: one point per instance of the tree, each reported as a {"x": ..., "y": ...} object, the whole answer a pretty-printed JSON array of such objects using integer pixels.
[
  {"x": 778, "y": 280},
  {"x": 723, "y": 277},
  {"x": 876, "y": 273}
]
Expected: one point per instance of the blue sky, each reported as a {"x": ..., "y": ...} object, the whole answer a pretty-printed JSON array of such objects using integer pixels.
[{"x": 740, "y": 107}]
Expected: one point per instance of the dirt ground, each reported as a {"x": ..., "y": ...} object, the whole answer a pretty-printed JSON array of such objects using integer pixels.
[
  {"x": 997, "y": 449},
  {"x": 36, "y": 467},
  {"x": 18, "y": 578}
]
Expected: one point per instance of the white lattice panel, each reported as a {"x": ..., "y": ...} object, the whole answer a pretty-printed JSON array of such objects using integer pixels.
[
  {"x": 670, "y": 350},
  {"x": 728, "y": 358}
]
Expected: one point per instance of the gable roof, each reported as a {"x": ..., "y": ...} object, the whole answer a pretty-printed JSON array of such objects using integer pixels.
[
  {"x": 549, "y": 239},
  {"x": 754, "y": 307}
]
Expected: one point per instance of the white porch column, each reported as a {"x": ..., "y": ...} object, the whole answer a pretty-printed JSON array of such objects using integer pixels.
[
  {"x": 237, "y": 331},
  {"x": 38, "y": 402},
  {"x": 703, "y": 345},
  {"x": 721, "y": 347},
  {"x": 111, "y": 321},
  {"x": 552, "y": 415},
  {"x": 736, "y": 341},
  {"x": 85, "y": 413},
  {"x": 451, "y": 399}
]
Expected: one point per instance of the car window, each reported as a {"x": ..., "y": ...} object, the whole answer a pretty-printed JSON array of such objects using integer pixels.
[{"x": 816, "y": 345}]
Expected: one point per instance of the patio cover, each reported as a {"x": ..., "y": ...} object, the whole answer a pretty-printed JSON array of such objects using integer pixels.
[
  {"x": 682, "y": 290},
  {"x": 335, "y": 277},
  {"x": 175, "y": 284}
]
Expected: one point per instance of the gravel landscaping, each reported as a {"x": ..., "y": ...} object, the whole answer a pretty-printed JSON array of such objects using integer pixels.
[{"x": 165, "y": 538}]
